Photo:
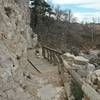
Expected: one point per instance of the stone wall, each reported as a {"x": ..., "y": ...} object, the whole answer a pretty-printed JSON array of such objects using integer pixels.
[{"x": 15, "y": 38}]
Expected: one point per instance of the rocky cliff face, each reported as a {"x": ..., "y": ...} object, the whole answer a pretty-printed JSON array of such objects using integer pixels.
[
  {"x": 15, "y": 38},
  {"x": 15, "y": 19}
]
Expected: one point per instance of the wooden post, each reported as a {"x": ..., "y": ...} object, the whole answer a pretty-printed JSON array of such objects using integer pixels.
[
  {"x": 54, "y": 58},
  {"x": 50, "y": 55},
  {"x": 43, "y": 52}
]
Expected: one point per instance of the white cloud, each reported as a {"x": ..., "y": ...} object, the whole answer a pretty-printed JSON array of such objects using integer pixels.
[
  {"x": 75, "y": 1},
  {"x": 87, "y": 17},
  {"x": 92, "y": 5}
]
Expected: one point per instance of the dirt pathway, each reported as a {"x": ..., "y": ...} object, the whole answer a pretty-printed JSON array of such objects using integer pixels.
[{"x": 47, "y": 85}]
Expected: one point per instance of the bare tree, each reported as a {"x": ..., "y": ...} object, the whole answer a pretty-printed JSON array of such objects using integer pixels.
[
  {"x": 58, "y": 12},
  {"x": 68, "y": 16},
  {"x": 93, "y": 30}
]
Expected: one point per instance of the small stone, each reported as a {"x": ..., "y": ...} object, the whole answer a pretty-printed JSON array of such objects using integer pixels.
[{"x": 29, "y": 77}]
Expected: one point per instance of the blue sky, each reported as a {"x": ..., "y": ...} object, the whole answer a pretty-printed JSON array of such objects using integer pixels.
[{"x": 82, "y": 9}]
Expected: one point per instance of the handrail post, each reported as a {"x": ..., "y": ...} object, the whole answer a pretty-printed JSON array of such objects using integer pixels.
[
  {"x": 51, "y": 55},
  {"x": 43, "y": 51}
]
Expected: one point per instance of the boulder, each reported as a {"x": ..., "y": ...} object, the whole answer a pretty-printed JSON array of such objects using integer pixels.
[
  {"x": 90, "y": 67},
  {"x": 94, "y": 79},
  {"x": 80, "y": 60},
  {"x": 69, "y": 57}
]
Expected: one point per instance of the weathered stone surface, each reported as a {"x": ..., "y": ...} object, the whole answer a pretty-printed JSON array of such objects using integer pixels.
[
  {"x": 15, "y": 38},
  {"x": 85, "y": 75},
  {"x": 15, "y": 20},
  {"x": 90, "y": 67},
  {"x": 68, "y": 56},
  {"x": 94, "y": 79},
  {"x": 81, "y": 60}
]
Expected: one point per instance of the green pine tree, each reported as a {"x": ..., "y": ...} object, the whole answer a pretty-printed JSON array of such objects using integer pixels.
[{"x": 39, "y": 10}]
